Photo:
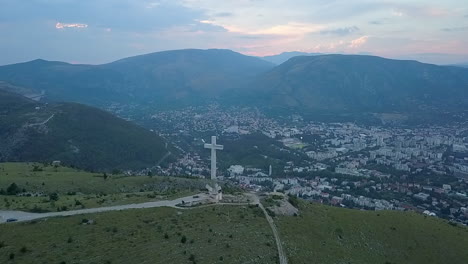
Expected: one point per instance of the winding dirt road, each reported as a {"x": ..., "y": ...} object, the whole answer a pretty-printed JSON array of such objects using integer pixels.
[
  {"x": 41, "y": 123},
  {"x": 25, "y": 216},
  {"x": 282, "y": 256}
]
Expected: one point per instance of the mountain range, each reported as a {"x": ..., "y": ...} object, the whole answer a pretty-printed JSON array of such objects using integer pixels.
[
  {"x": 363, "y": 84},
  {"x": 75, "y": 134},
  {"x": 163, "y": 77},
  {"x": 335, "y": 83},
  {"x": 463, "y": 65},
  {"x": 285, "y": 56}
]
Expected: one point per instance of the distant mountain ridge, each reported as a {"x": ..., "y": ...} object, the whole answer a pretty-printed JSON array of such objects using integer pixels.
[
  {"x": 463, "y": 65},
  {"x": 363, "y": 83},
  {"x": 330, "y": 83},
  {"x": 285, "y": 56},
  {"x": 162, "y": 77},
  {"x": 75, "y": 134}
]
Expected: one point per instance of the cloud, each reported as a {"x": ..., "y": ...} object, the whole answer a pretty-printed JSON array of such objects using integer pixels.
[
  {"x": 119, "y": 28},
  {"x": 120, "y": 15},
  {"x": 65, "y": 25},
  {"x": 436, "y": 12},
  {"x": 204, "y": 26},
  {"x": 152, "y": 5},
  {"x": 268, "y": 13},
  {"x": 397, "y": 13},
  {"x": 291, "y": 28},
  {"x": 224, "y": 14},
  {"x": 422, "y": 11},
  {"x": 455, "y": 29},
  {"x": 288, "y": 29},
  {"x": 340, "y": 31},
  {"x": 356, "y": 43}
]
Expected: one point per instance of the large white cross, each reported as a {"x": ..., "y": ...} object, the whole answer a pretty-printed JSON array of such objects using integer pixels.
[{"x": 213, "y": 148}]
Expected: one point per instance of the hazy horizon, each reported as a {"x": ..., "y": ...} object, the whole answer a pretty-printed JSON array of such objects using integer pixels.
[
  {"x": 424, "y": 58},
  {"x": 95, "y": 32}
]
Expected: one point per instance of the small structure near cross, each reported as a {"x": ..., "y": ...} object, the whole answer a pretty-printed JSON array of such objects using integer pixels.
[
  {"x": 213, "y": 148},
  {"x": 215, "y": 193}
]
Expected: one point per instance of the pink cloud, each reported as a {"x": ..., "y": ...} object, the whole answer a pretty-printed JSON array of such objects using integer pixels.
[{"x": 356, "y": 43}]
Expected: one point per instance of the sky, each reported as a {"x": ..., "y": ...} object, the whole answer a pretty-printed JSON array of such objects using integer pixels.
[{"x": 100, "y": 31}]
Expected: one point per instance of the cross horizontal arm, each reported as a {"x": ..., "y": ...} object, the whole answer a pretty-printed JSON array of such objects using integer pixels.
[{"x": 217, "y": 147}]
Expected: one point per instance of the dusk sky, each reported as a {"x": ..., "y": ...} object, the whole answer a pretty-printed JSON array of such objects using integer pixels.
[{"x": 99, "y": 31}]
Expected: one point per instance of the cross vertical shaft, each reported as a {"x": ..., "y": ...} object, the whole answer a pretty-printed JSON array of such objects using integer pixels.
[
  {"x": 213, "y": 161},
  {"x": 213, "y": 148}
]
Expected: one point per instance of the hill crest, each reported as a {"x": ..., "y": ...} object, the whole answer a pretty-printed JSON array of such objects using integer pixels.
[
  {"x": 75, "y": 134},
  {"x": 363, "y": 83}
]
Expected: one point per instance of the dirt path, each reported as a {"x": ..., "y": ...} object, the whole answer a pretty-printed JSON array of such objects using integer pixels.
[
  {"x": 41, "y": 123},
  {"x": 282, "y": 256}
]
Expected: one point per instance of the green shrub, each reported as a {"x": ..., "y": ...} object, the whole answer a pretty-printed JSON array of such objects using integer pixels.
[
  {"x": 294, "y": 201},
  {"x": 24, "y": 249},
  {"x": 54, "y": 197},
  {"x": 13, "y": 189}
]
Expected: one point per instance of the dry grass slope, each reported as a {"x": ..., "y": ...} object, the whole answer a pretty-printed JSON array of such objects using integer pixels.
[
  {"x": 217, "y": 234},
  {"x": 78, "y": 189},
  {"x": 323, "y": 234}
]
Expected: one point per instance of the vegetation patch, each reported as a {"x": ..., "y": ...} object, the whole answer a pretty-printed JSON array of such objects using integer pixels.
[
  {"x": 323, "y": 234},
  {"x": 41, "y": 188},
  {"x": 158, "y": 235}
]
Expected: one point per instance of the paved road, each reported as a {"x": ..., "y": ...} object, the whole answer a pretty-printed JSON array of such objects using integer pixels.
[{"x": 25, "y": 216}]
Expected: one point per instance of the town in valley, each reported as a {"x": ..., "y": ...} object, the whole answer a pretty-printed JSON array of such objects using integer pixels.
[{"x": 383, "y": 166}]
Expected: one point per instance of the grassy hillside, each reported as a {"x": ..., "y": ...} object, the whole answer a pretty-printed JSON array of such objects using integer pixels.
[
  {"x": 227, "y": 234},
  {"x": 28, "y": 93},
  {"x": 79, "y": 189},
  {"x": 323, "y": 234},
  {"x": 213, "y": 234},
  {"x": 75, "y": 134}
]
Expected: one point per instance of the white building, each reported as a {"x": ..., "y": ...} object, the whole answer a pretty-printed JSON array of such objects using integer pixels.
[{"x": 235, "y": 170}]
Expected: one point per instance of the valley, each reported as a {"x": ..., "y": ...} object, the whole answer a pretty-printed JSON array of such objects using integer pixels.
[
  {"x": 347, "y": 154},
  {"x": 374, "y": 166},
  {"x": 240, "y": 132}
]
